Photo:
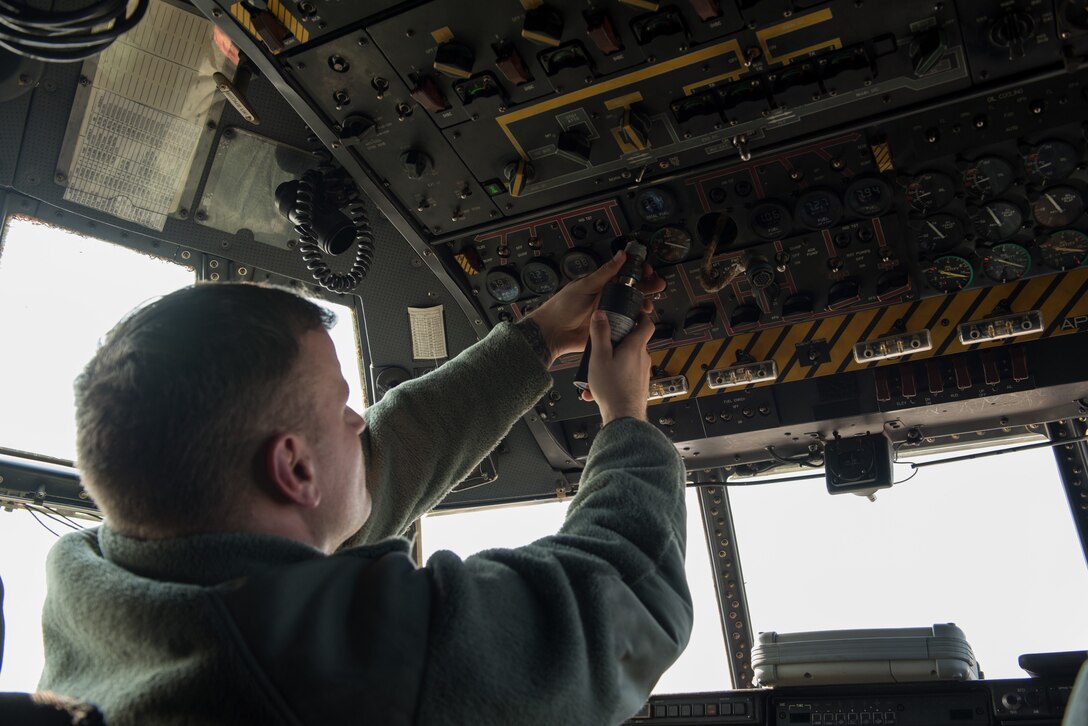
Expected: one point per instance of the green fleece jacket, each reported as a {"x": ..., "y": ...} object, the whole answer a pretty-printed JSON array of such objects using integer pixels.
[{"x": 232, "y": 628}]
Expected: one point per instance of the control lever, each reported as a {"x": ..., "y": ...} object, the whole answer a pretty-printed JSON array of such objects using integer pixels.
[{"x": 621, "y": 301}]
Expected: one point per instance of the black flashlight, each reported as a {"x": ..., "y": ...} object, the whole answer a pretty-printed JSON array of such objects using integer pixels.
[{"x": 621, "y": 301}]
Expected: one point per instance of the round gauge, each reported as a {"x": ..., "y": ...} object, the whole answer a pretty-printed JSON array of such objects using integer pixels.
[
  {"x": 819, "y": 209},
  {"x": 654, "y": 205},
  {"x": 577, "y": 264},
  {"x": 670, "y": 244},
  {"x": 997, "y": 221},
  {"x": 869, "y": 197},
  {"x": 770, "y": 221},
  {"x": 1058, "y": 207},
  {"x": 1051, "y": 160},
  {"x": 503, "y": 285},
  {"x": 540, "y": 276},
  {"x": 988, "y": 177},
  {"x": 1065, "y": 249},
  {"x": 1006, "y": 262},
  {"x": 930, "y": 191},
  {"x": 949, "y": 274},
  {"x": 938, "y": 233}
]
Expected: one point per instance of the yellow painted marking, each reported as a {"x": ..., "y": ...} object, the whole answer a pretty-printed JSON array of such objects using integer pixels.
[
  {"x": 289, "y": 21},
  {"x": 644, "y": 4},
  {"x": 696, "y": 370},
  {"x": 539, "y": 38},
  {"x": 658, "y": 69},
  {"x": 882, "y": 154},
  {"x": 241, "y": 14},
  {"x": 451, "y": 70},
  {"x": 442, "y": 35},
  {"x": 823, "y": 332},
  {"x": 625, "y": 148},
  {"x": 707, "y": 82},
  {"x": 623, "y": 101},
  {"x": 805, "y": 21},
  {"x": 517, "y": 182}
]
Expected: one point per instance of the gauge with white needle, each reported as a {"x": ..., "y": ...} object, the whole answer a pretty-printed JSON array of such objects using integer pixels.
[
  {"x": 950, "y": 273},
  {"x": 1058, "y": 207},
  {"x": 938, "y": 233},
  {"x": 1006, "y": 262},
  {"x": 997, "y": 221}
]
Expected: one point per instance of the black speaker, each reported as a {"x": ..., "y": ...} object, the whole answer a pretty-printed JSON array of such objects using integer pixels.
[{"x": 858, "y": 462}]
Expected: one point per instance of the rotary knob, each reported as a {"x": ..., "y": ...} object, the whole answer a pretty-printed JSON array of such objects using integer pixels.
[
  {"x": 415, "y": 163},
  {"x": 518, "y": 174},
  {"x": 1010, "y": 31},
  {"x": 544, "y": 25},
  {"x": 454, "y": 59}
]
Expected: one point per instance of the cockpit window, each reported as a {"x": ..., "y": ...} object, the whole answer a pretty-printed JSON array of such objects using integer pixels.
[
  {"x": 702, "y": 667},
  {"x": 60, "y": 292},
  {"x": 987, "y": 544}
]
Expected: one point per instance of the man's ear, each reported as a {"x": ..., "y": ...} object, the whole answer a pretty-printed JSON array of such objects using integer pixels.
[{"x": 290, "y": 471}]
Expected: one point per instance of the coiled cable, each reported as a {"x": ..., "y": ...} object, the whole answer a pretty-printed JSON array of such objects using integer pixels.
[
  {"x": 309, "y": 187},
  {"x": 65, "y": 37}
]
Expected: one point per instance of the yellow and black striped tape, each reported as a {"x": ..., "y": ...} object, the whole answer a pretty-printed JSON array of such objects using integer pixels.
[
  {"x": 1062, "y": 298},
  {"x": 277, "y": 8}
]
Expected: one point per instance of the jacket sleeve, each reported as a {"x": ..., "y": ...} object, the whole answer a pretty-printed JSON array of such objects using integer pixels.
[
  {"x": 575, "y": 628},
  {"x": 426, "y": 435}
]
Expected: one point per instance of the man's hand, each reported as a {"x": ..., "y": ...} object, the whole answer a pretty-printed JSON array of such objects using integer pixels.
[
  {"x": 564, "y": 319},
  {"x": 619, "y": 377}
]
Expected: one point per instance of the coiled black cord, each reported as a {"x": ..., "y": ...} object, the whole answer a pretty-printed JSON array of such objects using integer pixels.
[
  {"x": 63, "y": 37},
  {"x": 309, "y": 187}
]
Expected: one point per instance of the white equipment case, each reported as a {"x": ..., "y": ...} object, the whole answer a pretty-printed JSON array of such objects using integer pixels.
[{"x": 889, "y": 655}]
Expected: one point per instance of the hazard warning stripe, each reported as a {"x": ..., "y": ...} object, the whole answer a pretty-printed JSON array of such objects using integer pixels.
[
  {"x": 848, "y": 359},
  {"x": 794, "y": 341},
  {"x": 713, "y": 365},
  {"x": 811, "y": 372},
  {"x": 1058, "y": 297},
  {"x": 1066, "y": 309}
]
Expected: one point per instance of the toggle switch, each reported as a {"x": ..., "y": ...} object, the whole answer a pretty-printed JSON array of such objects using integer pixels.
[{"x": 603, "y": 34}]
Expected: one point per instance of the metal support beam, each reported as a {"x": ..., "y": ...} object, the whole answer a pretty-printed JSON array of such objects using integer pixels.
[
  {"x": 728, "y": 579},
  {"x": 1072, "y": 460}
]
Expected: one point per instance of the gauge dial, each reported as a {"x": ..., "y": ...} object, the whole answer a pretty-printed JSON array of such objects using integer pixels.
[
  {"x": 540, "y": 276},
  {"x": 949, "y": 273},
  {"x": 997, "y": 221},
  {"x": 503, "y": 285},
  {"x": 930, "y": 191},
  {"x": 1058, "y": 207},
  {"x": 670, "y": 244},
  {"x": 1065, "y": 249},
  {"x": 988, "y": 177},
  {"x": 577, "y": 264},
  {"x": 938, "y": 233},
  {"x": 654, "y": 205},
  {"x": 1051, "y": 160},
  {"x": 1006, "y": 262},
  {"x": 819, "y": 209},
  {"x": 770, "y": 221},
  {"x": 869, "y": 197}
]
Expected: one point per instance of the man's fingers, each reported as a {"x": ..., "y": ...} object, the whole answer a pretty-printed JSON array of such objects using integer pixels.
[
  {"x": 651, "y": 283},
  {"x": 640, "y": 335},
  {"x": 600, "y": 277},
  {"x": 600, "y": 335}
]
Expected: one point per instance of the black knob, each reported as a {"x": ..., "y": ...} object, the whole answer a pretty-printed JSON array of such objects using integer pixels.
[
  {"x": 454, "y": 59},
  {"x": 698, "y": 319},
  {"x": 800, "y": 303},
  {"x": 355, "y": 127},
  {"x": 543, "y": 24},
  {"x": 518, "y": 173},
  {"x": 842, "y": 292},
  {"x": 1010, "y": 30},
  {"x": 891, "y": 281},
  {"x": 415, "y": 163},
  {"x": 574, "y": 145},
  {"x": 746, "y": 314},
  {"x": 927, "y": 48}
]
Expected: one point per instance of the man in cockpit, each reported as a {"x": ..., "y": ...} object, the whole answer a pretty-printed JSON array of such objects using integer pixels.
[{"x": 250, "y": 570}]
